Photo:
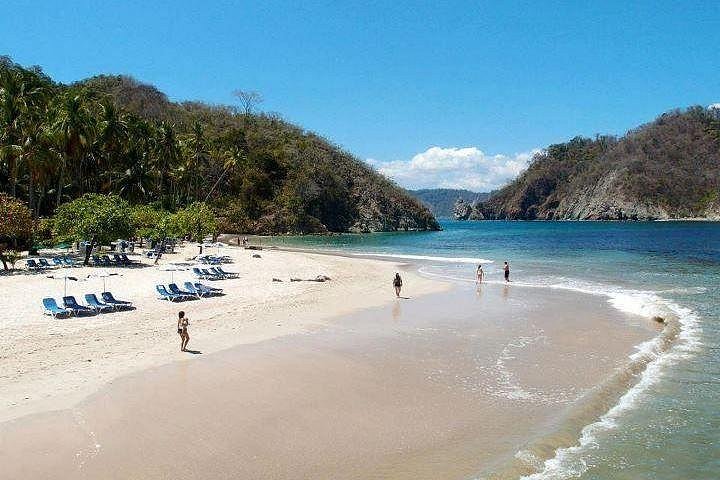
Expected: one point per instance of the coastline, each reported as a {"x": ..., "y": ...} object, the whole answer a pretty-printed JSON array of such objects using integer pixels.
[
  {"x": 311, "y": 308},
  {"x": 427, "y": 387},
  {"x": 51, "y": 364}
]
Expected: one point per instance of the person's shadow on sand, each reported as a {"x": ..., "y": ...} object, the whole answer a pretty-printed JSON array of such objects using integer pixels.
[{"x": 194, "y": 352}]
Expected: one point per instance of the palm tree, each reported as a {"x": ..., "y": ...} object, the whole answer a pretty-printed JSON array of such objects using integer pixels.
[
  {"x": 167, "y": 155},
  {"x": 21, "y": 94},
  {"x": 112, "y": 139},
  {"x": 73, "y": 128},
  {"x": 196, "y": 156}
]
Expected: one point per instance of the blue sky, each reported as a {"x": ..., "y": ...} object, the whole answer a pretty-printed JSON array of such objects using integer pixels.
[{"x": 432, "y": 93}]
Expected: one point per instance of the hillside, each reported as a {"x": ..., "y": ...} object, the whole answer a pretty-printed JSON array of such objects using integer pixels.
[
  {"x": 258, "y": 172},
  {"x": 441, "y": 201},
  {"x": 666, "y": 169}
]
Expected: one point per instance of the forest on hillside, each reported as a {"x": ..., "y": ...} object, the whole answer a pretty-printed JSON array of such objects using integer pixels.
[
  {"x": 669, "y": 168},
  {"x": 112, "y": 135}
]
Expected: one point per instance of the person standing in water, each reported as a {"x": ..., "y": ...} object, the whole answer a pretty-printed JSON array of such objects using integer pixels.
[
  {"x": 479, "y": 274},
  {"x": 397, "y": 283},
  {"x": 507, "y": 272},
  {"x": 182, "y": 326}
]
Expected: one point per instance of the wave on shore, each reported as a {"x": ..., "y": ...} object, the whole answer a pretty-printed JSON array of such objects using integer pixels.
[
  {"x": 425, "y": 257},
  {"x": 544, "y": 459}
]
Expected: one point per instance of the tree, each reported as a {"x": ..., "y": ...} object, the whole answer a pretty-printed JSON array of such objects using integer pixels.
[
  {"x": 94, "y": 217},
  {"x": 195, "y": 221},
  {"x": 249, "y": 99},
  {"x": 16, "y": 226},
  {"x": 149, "y": 222},
  {"x": 73, "y": 127}
]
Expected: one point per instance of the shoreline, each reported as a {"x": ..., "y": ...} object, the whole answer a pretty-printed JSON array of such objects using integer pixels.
[
  {"x": 323, "y": 317},
  {"x": 394, "y": 378},
  {"x": 55, "y": 374}
]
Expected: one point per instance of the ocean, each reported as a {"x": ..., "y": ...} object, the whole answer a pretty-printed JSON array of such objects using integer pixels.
[{"x": 667, "y": 424}]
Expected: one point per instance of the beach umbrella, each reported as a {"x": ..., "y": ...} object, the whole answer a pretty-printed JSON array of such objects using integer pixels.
[
  {"x": 172, "y": 268},
  {"x": 64, "y": 275},
  {"x": 104, "y": 274}
]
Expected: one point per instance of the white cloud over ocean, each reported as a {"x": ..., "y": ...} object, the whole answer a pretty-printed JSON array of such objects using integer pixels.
[{"x": 466, "y": 167}]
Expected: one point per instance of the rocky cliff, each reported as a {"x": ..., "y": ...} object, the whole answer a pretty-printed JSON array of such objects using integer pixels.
[{"x": 667, "y": 169}]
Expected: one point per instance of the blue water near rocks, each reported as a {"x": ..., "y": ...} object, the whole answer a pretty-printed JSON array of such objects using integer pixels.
[{"x": 667, "y": 426}]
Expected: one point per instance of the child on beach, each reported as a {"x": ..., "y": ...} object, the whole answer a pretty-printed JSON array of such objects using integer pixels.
[
  {"x": 479, "y": 274},
  {"x": 182, "y": 325},
  {"x": 507, "y": 272},
  {"x": 397, "y": 283}
]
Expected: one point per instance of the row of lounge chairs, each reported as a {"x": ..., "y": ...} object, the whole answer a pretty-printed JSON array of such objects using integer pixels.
[
  {"x": 93, "y": 307},
  {"x": 43, "y": 264},
  {"x": 213, "y": 273},
  {"x": 192, "y": 291},
  {"x": 118, "y": 260},
  {"x": 209, "y": 259}
]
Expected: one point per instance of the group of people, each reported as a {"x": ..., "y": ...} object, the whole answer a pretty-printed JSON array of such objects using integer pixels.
[
  {"x": 480, "y": 275},
  {"x": 183, "y": 321}
]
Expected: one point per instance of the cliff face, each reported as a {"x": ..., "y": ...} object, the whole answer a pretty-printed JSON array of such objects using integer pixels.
[
  {"x": 667, "y": 169},
  {"x": 441, "y": 201}
]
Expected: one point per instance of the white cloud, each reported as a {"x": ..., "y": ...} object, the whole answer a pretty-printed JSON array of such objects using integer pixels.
[
  {"x": 467, "y": 167},
  {"x": 714, "y": 106}
]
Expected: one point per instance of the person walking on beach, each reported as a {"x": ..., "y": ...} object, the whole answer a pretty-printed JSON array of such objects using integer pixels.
[
  {"x": 397, "y": 283},
  {"x": 507, "y": 272},
  {"x": 479, "y": 274},
  {"x": 182, "y": 327}
]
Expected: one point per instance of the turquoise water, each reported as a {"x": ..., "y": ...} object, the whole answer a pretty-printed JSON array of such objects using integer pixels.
[{"x": 668, "y": 425}]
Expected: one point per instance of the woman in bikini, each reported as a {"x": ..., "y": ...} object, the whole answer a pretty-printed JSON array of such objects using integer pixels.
[
  {"x": 397, "y": 283},
  {"x": 182, "y": 326}
]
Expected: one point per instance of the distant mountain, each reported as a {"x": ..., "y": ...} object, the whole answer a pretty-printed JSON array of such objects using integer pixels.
[
  {"x": 666, "y": 169},
  {"x": 441, "y": 201}
]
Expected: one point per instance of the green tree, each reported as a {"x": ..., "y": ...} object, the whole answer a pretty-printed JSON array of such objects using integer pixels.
[
  {"x": 73, "y": 128},
  {"x": 196, "y": 221},
  {"x": 94, "y": 217},
  {"x": 16, "y": 226},
  {"x": 149, "y": 222}
]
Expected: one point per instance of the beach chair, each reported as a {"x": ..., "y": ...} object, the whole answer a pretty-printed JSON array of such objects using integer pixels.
[
  {"x": 212, "y": 275},
  {"x": 108, "y": 262},
  {"x": 32, "y": 264},
  {"x": 97, "y": 261},
  {"x": 110, "y": 299},
  {"x": 126, "y": 259},
  {"x": 208, "y": 287},
  {"x": 196, "y": 271},
  {"x": 165, "y": 295},
  {"x": 44, "y": 263},
  {"x": 72, "y": 304},
  {"x": 93, "y": 302},
  {"x": 191, "y": 288},
  {"x": 227, "y": 274},
  {"x": 68, "y": 262},
  {"x": 204, "y": 290},
  {"x": 118, "y": 260},
  {"x": 57, "y": 261},
  {"x": 173, "y": 288},
  {"x": 52, "y": 308}
]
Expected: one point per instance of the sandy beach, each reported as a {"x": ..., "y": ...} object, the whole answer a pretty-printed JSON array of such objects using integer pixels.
[
  {"x": 51, "y": 364},
  {"x": 306, "y": 380}
]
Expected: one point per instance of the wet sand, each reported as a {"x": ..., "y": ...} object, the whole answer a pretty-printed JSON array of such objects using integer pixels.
[{"x": 448, "y": 385}]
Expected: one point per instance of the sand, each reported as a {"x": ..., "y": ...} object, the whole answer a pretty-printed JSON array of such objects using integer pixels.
[
  {"x": 50, "y": 364},
  {"x": 450, "y": 383}
]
